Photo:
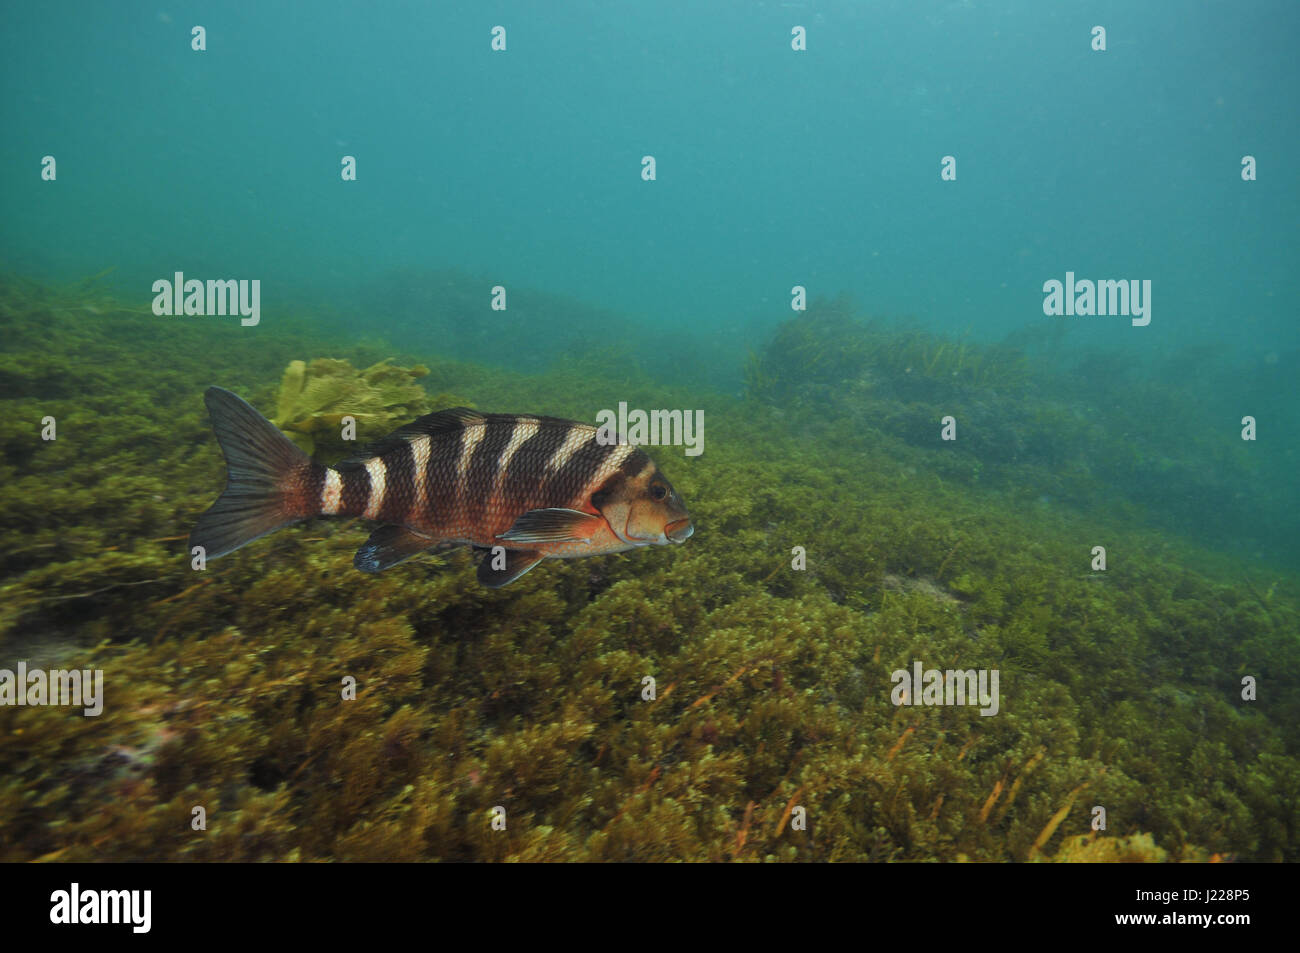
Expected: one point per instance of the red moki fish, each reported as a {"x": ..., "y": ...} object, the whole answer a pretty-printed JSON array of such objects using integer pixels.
[{"x": 523, "y": 487}]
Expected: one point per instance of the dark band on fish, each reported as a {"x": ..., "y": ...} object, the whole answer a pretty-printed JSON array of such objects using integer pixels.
[
  {"x": 481, "y": 473},
  {"x": 636, "y": 462},
  {"x": 632, "y": 467},
  {"x": 399, "y": 490},
  {"x": 356, "y": 489},
  {"x": 313, "y": 485},
  {"x": 568, "y": 480},
  {"x": 440, "y": 481},
  {"x": 519, "y": 485}
]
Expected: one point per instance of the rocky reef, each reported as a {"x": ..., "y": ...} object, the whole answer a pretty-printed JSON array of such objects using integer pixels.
[{"x": 225, "y": 687}]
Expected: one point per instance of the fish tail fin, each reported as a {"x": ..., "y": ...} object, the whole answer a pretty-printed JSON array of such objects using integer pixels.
[{"x": 269, "y": 481}]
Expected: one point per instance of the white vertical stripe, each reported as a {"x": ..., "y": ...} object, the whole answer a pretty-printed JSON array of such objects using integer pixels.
[
  {"x": 331, "y": 494},
  {"x": 575, "y": 438},
  {"x": 611, "y": 463},
  {"x": 378, "y": 471},
  {"x": 420, "y": 454},
  {"x": 470, "y": 438},
  {"x": 525, "y": 427}
]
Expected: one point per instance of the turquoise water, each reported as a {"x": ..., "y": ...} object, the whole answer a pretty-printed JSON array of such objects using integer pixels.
[{"x": 775, "y": 168}]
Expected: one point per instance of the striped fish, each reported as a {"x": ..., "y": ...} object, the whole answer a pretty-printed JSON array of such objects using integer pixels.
[{"x": 521, "y": 487}]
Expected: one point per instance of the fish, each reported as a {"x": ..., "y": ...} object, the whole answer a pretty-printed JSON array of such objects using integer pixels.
[{"x": 519, "y": 488}]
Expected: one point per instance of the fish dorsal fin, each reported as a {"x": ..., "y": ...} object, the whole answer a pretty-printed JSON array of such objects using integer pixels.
[
  {"x": 555, "y": 525},
  {"x": 453, "y": 418},
  {"x": 518, "y": 562},
  {"x": 390, "y": 545},
  {"x": 440, "y": 421}
]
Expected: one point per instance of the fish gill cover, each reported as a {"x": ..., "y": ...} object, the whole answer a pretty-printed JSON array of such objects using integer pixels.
[{"x": 1061, "y": 505}]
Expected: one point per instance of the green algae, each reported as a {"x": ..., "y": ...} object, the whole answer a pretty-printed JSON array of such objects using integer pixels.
[
  {"x": 316, "y": 398},
  {"x": 224, "y": 687},
  {"x": 1094, "y": 432}
]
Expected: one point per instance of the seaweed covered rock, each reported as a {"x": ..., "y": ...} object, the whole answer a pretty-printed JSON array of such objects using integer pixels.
[
  {"x": 1133, "y": 849},
  {"x": 1034, "y": 417},
  {"x": 314, "y": 399},
  {"x": 773, "y": 683}
]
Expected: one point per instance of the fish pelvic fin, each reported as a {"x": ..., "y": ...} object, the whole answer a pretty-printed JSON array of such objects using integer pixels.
[
  {"x": 517, "y": 562},
  {"x": 268, "y": 479}
]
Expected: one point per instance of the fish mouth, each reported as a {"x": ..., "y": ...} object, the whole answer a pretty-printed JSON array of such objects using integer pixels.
[{"x": 679, "y": 531}]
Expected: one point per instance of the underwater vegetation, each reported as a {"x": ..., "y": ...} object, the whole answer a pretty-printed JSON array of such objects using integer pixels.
[
  {"x": 1092, "y": 431},
  {"x": 830, "y": 345},
  {"x": 314, "y": 398},
  {"x": 223, "y": 687}
]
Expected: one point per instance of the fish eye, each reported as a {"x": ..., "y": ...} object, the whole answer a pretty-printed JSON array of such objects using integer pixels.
[{"x": 658, "y": 491}]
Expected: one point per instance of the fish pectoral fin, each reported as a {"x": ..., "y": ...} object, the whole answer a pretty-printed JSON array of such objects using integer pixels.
[
  {"x": 517, "y": 562},
  {"x": 390, "y": 545},
  {"x": 553, "y": 526}
]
